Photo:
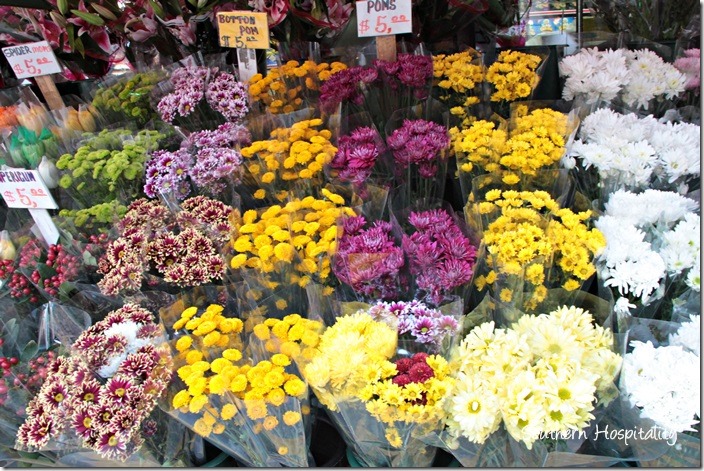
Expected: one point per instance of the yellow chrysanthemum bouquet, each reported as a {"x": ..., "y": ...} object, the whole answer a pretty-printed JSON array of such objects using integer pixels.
[
  {"x": 457, "y": 83},
  {"x": 239, "y": 387},
  {"x": 281, "y": 249},
  {"x": 532, "y": 245},
  {"x": 532, "y": 393},
  {"x": 379, "y": 402},
  {"x": 289, "y": 161},
  {"x": 513, "y": 77},
  {"x": 531, "y": 141},
  {"x": 291, "y": 86}
]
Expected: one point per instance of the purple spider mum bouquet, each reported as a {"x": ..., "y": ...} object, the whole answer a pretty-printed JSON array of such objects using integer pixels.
[
  {"x": 155, "y": 245},
  {"x": 441, "y": 257},
  {"x": 101, "y": 396},
  {"x": 421, "y": 328},
  {"x": 208, "y": 160},
  {"x": 379, "y": 89},
  {"x": 196, "y": 96},
  {"x": 420, "y": 143},
  {"x": 362, "y": 160},
  {"x": 369, "y": 260}
]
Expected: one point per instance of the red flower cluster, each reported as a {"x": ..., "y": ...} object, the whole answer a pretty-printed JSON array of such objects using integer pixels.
[{"x": 413, "y": 370}]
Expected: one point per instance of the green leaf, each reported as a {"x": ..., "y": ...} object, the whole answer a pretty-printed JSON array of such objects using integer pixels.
[
  {"x": 89, "y": 259},
  {"x": 66, "y": 289},
  {"x": 157, "y": 9},
  {"x": 71, "y": 36},
  {"x": 104, "y": 12},
  {"x": 79, "y": 47},
  {"x": 11, "y": 329},
  {"x": 63, "y": 6},
  {"x": 29, "y": 351},
  {"x": 45, "y": 271},
  {"x": 91, "y": 18}
]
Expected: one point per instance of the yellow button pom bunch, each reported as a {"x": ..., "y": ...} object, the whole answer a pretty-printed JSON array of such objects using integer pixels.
[
  {"x": 285, "y": 88},
  {"x": 289, "y": 338},
  {"x": 210, "y": 386},
  {"x": 513, "y": 75},
  {"x": 532, "y": 238},
  {"x": 479, "y": 146},
  {"x": 301, "y": 234},
  {"x": 291, "y": 155}
]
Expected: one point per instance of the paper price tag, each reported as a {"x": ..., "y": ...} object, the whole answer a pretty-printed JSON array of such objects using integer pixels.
[
  {"x": 243, "y": 29},
  {"x": 383, "y": 17},
  {"x": 25, "y": 189},
  {"x": 32, "y": 60}
]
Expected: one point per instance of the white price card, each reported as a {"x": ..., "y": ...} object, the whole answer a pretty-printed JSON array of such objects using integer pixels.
[
  {"x": 32, "y": 59},
  {"x": 25, "y": 189},
  {"x": 383, "y": 17}
]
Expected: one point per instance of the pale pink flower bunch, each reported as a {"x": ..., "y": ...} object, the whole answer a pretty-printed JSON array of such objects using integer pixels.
[{"x": 690, "y": 65}]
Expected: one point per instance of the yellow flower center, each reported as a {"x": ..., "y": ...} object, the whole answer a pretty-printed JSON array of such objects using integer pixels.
[
  {"x": 112, "y": 441},
  {"x": 564, "y": 394},
  {"x": 87, "y": 422},
  {"x": 120, "y": 392},
  {"x": 58, "y": 397},
  {"x": 88, "y": 397},
  {"x": 474, "y": 407}
]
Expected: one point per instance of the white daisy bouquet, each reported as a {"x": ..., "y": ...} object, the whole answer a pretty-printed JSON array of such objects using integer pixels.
[
  {"x": 639, "y": 79},
  {"x": 661, "y": 377},
  {"x": 651, "y": 261},
  {"x": 617, "y": 150},
  {"x": 535, "y": 394}
]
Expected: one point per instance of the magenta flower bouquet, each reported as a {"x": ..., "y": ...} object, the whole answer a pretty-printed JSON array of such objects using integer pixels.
[
  {"x": 441, "y": 257},
  {"x": 369, "y": 260},
  {"x": 379, "y": 89}
]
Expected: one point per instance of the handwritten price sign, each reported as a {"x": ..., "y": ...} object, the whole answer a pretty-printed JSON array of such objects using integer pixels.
[
  {"x": 25, "y": 189},
  {"x": 383, "y": 17},
  {"x": 32, "y": 60},
  {"x": 243, "y": 29}
]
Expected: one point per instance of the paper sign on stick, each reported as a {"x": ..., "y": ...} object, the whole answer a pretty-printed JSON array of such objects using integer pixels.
[
  {"x": 383, "y": 17},
  {"x": 243, "y": 29},
  {"x": 44, "y": 225},
  {"x": 32, "y": 59}
]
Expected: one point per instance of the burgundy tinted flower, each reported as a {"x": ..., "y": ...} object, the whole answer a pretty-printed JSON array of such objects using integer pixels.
[
  {"x": 82, "y": 423},
  {"x": 420, "y": 372},
  {"x": 403, "y": 365},
  {"x": 118, "y": 390},
  {"x": 401, "y": 380},
  {"x": 55, "y": 394},
  {"x": 112, "y": 445}
]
